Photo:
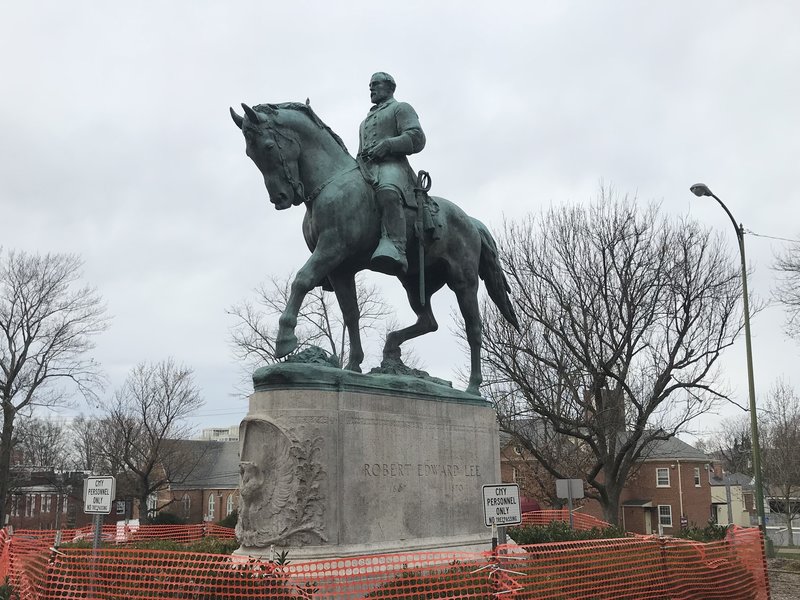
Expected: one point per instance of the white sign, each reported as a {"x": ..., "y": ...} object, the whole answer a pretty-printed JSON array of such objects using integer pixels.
[
  {"x": 569, "y": 488},
  {"x": 501, "y": 505},
  {"x": 98, "y": 494}
]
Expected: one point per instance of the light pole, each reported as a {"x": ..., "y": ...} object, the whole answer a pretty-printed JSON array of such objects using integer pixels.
[{"x": 701, "y": 189}]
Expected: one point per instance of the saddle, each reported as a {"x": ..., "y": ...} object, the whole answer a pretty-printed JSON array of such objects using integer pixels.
[
  {"x": 431, "y": 221},
  {"x": 425, "y": 215}
]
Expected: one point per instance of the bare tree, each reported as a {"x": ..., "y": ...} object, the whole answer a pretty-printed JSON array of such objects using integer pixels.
[
  {"x": 47, "y": 326},
  {"x": 780, "y": 432},
  {"x": 144, "y": 430},
  {"x": 97, "y": 447},
  {"x": 39, "y": 446},
  {"x": 731, "y": 445},
  {"x": 42, "y": 444},
  {"x": 623, "y": 315},
  {"x": 86, "y": 444},
  {"x": 319, "y": 322},
  {"x": 561, "y": 451},
  {"x": 787, "y": 287}
]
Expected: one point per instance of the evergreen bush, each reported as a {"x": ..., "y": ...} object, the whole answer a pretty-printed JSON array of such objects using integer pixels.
[
  {"x": 710, "y": 533},
  {"x": 7, "y": 590},
  {"x": 559, "y": 531},
  {"x": 230, "y": 521}
]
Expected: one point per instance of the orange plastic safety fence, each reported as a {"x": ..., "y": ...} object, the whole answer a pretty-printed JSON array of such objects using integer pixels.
[
  {"x": 580, "y": 520},
  {"x": 122, "y": 534},
  {"x": 5, "y": 566},
  {"x": 644, "y": 568},
  {"x": 747, "y": 543}
]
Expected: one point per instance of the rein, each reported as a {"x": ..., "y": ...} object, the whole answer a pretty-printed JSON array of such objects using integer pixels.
[
  {"x": 298, "y": 185},
  {"x": 318, "y": 190}
]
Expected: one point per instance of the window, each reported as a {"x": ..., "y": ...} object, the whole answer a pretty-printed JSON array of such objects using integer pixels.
[
  {"x": 513, "y": 474},
  {"x": 187, "y": 506},
  {"x": 229, "y": 507},
  {"x": 64, "y": 503},
  {"x": 47, "y": 503},
  {"x": 662, "y": 477},
  {"x": 14, "y": 505},
  {"x": 211, "y": 512},
  {"x": 697, "y": 477},
  {"x": 518, "y": 450},
  {"x": 121, "y": 507},
  {"x": 30, "y": 501},
  {"x": 665, "y": 515},
  {"x": 152, "y": 504}
]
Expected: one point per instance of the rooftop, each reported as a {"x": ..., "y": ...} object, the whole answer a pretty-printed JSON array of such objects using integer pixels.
[{"x": 217, "y": 469}]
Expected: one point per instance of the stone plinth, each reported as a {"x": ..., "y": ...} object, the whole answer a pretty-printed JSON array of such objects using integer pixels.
[{"x": 336, "y": 464}]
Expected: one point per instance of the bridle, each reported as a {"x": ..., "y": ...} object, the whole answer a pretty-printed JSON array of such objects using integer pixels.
[{"x": 296, "y": 185}]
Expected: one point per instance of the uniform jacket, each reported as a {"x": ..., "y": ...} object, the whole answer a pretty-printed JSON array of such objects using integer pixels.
[{"x": 397, "y": 123}]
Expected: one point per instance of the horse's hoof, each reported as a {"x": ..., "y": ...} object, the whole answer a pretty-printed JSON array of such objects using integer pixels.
[
  {"x": 354, "y": 367},
  {"x": 474, "y": 389},
  {"x": 392, "y": 355},
  {"x": 285, "y": 346}
]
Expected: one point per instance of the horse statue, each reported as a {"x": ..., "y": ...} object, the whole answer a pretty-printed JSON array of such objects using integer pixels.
[{"x": 295, "y": 152}]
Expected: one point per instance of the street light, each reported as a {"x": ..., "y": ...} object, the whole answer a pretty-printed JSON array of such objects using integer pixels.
[{"x": 701, "y": 189}]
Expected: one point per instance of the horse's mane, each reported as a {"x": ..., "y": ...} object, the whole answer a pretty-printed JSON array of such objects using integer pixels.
[{"x": 309, "y": 112}]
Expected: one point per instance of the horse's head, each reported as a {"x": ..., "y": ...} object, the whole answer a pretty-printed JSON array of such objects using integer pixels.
[{"x": 275, "y": 150}]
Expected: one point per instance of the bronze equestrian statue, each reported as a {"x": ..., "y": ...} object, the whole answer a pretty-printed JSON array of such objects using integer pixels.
[{"x": 304, "y": 162}]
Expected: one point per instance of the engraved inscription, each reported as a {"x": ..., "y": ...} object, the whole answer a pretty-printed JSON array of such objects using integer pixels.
[{"x": 420, "y": 470}]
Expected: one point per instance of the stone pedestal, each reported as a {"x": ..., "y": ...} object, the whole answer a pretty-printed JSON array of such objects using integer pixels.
[{"x": 336, "y": 464}]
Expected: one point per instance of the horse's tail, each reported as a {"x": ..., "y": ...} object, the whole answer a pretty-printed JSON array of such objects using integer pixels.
[{"x": 491, "y": 272}]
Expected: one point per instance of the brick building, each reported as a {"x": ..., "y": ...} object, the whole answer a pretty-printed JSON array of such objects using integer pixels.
[
  {"x": 736, "y": 490},
  {"x": 518, "y": 466},
  {"x": 211, "y": 492},
  {"x": 208, "y": 490},
  {"x": 670, "y": 488},
  {"x": 47, "y": 499}
]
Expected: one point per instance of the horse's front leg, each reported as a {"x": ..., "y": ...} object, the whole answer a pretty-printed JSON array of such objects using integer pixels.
[
  {"x": 319, "y": 265},
  {"x": 346, "y": 295}
]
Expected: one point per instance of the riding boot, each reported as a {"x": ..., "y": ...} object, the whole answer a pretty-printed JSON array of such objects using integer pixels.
[{"x": 390, "y": 255}]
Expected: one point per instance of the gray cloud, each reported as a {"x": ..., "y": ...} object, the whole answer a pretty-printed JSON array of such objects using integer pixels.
[{"x": 117, "y": 144}]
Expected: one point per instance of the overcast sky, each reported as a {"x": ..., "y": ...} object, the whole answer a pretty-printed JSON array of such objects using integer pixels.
[{"x": 116, "y": 143}]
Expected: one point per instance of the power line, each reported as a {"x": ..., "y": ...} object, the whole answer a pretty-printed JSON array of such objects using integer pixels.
[{"x": 772, "y": 237}]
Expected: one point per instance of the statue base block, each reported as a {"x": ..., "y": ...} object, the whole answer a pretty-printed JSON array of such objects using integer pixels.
[{"x": 334, "y": 468}]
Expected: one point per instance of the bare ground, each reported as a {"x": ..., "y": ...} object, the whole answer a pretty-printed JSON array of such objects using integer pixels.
[{"x": 784, "y": 578}]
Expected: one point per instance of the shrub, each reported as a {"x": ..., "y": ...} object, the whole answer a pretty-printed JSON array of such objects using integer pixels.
[
  {"x": 207, "y": 545},
  {"x": 559, "y": 531},
  {"x": 167, "y": 518},
  {"x": 213, "y": 545},
  {"x": 167, "y": 545},
  {"x": 230, "y": 521},
  {"x": 458, "y": 581},
  {"x": 7, "y": 590},
  {"x": 710, "y": 533},
  {"x": 82, "y": 543}
]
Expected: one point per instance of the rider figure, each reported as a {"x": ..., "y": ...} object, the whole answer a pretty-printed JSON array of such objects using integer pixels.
[{"x": 387, "y": 136}]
